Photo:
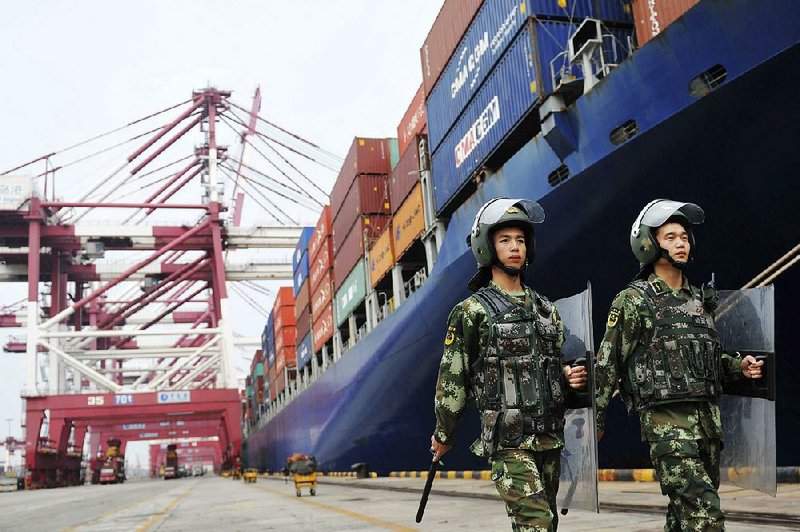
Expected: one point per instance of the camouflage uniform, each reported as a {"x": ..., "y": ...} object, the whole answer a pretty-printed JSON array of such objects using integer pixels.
[
  {"x": 526, "y": 476},
  {"x": 685, "y": 438}
]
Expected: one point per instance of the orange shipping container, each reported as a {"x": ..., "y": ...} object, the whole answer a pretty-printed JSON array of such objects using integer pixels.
[
  {"x": 322, "y": 330},
  {"x": 285, "y": 297},
  {"x": 651, "y": 17},
  {"x": 284, "y": 337},
  {"x": 286, "y": 357},
  {"x": 321, "y": 231},
  {"x": 323, "y": 295},
  {"x": 408, "y": 223},
  {"x": 381, "y": 258},
  {"x": 283, "y": 317},
  {"x": 321, "y": 264},
  {"x": 413, "y": 121}
]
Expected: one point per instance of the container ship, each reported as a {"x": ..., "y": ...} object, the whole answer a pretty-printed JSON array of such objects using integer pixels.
[{"x": 592, "y": 108}]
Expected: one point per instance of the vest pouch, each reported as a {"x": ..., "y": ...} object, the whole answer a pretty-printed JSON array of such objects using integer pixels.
[
  {"x": 513, "y": 338},
  {"x": 510, "y": 382},
  {"x": 548, "y": 337},
  {"x": 643, "y": 382},
  {"x": 698, "y": 357},
  {"x": 489, "y": 421},
  {"x": 512, "y": 428},
  {"x": 491, "y": 381},
  {"x": 529, "y": 389},
  {"x": 554, "y": 372}
]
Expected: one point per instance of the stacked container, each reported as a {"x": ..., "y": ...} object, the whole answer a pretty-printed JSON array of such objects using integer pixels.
[
  {"x": 285, "y": 335},
  {"x": 351, "y": 293},
  {"x": 300, "y": 259},
  {"x": 268, "y": 340},
  {"x": 320, "y": 279},
  {"x": 499, "y": 72},
  {"x": 653, "y": 16},
  {"x": 360, "y": 202}
]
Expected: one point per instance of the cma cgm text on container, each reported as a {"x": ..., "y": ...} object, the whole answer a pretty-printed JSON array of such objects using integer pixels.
[{"x": 519, "y": 82}]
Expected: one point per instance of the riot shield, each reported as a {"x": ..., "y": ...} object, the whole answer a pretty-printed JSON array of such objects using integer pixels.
[
  {"x": 578, "y": 488},
  {"x": 745, "y": 323}
]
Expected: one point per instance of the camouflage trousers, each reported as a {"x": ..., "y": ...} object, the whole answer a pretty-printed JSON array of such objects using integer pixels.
[
  {"x": 528, "y": 483},
  {"x": 688, "y": 471}
]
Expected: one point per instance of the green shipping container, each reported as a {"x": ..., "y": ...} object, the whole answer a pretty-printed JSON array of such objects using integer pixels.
[
  {"x": 259, "y": 369},
  {"x": 394, "y": 152},
  {"x": 351, "y": 294}
]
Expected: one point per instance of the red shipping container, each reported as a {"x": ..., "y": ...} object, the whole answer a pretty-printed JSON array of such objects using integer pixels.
[
  {"x": 352, "y": 249},
  {"x": 303, "y": 323},
  {"x": 449, "y": 27},
  {"x": 369, "y": 194},
  {"x": 366, "y": 156},
  {"x": 280, "y": 383},
  {"x": 321, "y": 264},
  {"x": 273, "y": 391},
  {"x": 302, "y": 299},
  {"x": 651, "y": 17},
  {"x": 413, "y": 122},
  {"x": 405, "y": 175},
  {"x": 373, "y": 224},
  {"x": 285, "y": 358},
  {"x": 283, "y": 317},
  {"x": 285, "y": 337},
  {"x": 322, "y": 330},
  {"x": 272, "y": 373},
  {"x": 322, "y": 230},
  {"x": 323, "y": 295},
  {"x": 285, "y": 297}
]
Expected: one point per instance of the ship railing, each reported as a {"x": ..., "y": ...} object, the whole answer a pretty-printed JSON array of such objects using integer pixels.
[
  {"x": 416, "y": 282},
  {"x": 562, "y": 73}
]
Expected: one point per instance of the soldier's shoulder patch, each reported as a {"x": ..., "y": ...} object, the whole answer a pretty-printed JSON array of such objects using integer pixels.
[
  {"x": 613, "y": 317},
  {"x": 451, "y": 335}
]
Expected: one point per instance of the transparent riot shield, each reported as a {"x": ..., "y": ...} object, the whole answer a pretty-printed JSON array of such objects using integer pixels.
[
  {"x": 578, "y": 488},
  {"x": 745, "y": 323}
]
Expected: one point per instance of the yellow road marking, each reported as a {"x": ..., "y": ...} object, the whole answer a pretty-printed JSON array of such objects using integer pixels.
[
  {"x": 158, "y": 515},
  {"x": 112, "y": 512},
  {"x": 369, "y": 519}
]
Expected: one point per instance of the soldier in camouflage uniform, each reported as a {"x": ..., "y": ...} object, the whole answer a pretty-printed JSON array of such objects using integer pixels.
[
  {"x": 662, "y": 351},
  {"x": 503, "y": 346}
]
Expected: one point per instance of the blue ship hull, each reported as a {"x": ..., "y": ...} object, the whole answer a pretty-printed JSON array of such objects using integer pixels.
[{"x": 732, "y": 151}]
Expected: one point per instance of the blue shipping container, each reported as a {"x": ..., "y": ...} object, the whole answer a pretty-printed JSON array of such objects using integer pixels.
[
  {"x": 301, "y": 273},
  {"x": 304, "y": 352},
  {"x": 517, "y": 83},
  {"x": 302, "y": 246},
  {"x": 488, "y": 36},
  {"x": 269, "y": 343}
]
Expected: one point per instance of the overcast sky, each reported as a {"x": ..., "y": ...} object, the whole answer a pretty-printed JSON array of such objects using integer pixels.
[{"x": 328, "y": 69}]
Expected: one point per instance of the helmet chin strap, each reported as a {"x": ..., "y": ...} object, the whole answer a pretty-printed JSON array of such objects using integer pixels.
[
  {"x": 678, "y": 265},
  {"x": 513, "y": 272}
]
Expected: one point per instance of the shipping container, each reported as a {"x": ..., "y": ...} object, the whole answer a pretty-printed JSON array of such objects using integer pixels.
[
  {"x": 408, "y": 223},
  {"x": 273, "y": 391},
  {"x": 412, "y": 123},
  {"x": 381, "y": 257},
  {"x": 405, "y": 175},
  {"x": 519, "y": 81},
  {"x": 303, "y": 324},
  {"x": 322, "y": 329},
  {"x": 394, "y": 152},
  {"x": 322, "y": 295},
  {"x": 366, "y": 156},
  {"x": 351, "y": 249},
  {"x": 302, "y": 246},
  {"x": 304, "y": 351},
  {"x": 322, "y": 230},
  {"x": 300, "y": 273},
  {"x": 284, "y": 317},
  {"x": 285, "y": 337},
  {"x": 284, "y": 297},
  {"x": 268, "y": 339},
  {"x": 350, "y": 294},
  {"x": 272, "y": 373},
  {"x": 302, "y": 299},
  {"x": 448, "y": 28},
  {"x": 651, "y": 17},
  {"x": 368, "y": 195},
  {"x": 321, "y": 264}
]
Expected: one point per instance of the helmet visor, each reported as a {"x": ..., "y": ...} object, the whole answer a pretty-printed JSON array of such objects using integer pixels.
[
  {"x": 496, "y": 209},
  {"x": 661, "y": 211}
]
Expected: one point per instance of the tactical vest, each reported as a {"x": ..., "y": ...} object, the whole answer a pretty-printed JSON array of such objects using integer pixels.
[
  {"x": 517, "y": 380},
  {"x": 681, "y": 361}
]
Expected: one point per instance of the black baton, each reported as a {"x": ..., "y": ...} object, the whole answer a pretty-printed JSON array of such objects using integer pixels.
[{"x": 427, "y": 491}]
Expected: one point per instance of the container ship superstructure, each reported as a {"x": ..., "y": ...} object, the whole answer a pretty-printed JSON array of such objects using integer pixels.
[{"x": 590, "y": 107}]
